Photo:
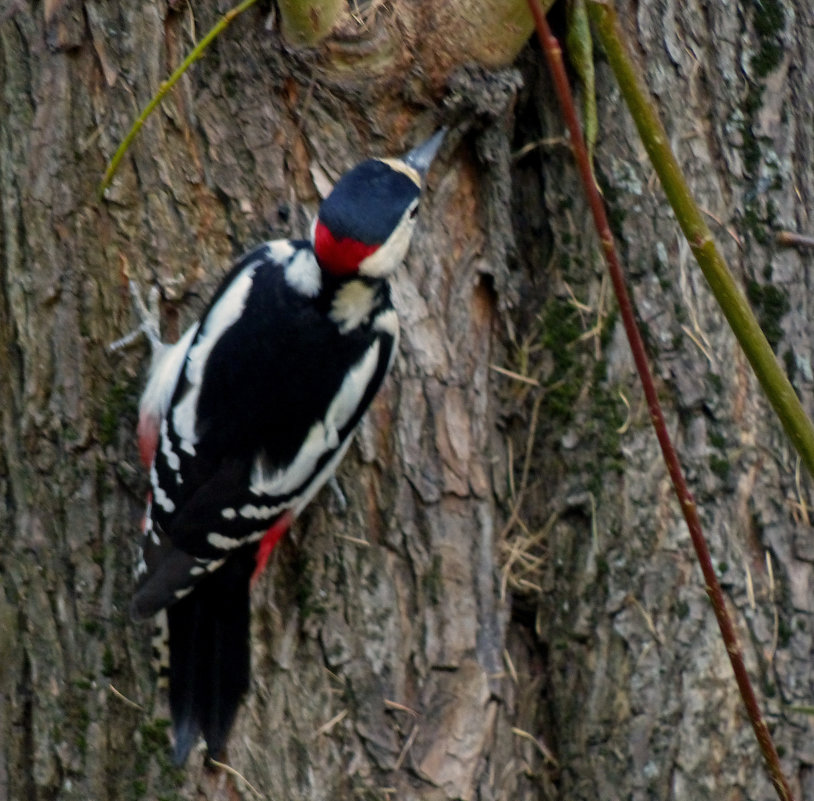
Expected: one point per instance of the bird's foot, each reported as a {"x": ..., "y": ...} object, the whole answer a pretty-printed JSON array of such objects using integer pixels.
[
  {"x": 150, "y": 317},
  {"x": 333, "y": 483}
]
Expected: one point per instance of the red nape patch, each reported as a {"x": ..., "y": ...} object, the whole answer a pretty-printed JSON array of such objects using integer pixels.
[
  {"x": 339, "y": 256},
  {"x": 270, "y": 539}
]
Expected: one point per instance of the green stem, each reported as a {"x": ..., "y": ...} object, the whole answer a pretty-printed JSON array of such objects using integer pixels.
[
  {"x": 730, "y": 298},
  {"x": 165, "y": 87}
]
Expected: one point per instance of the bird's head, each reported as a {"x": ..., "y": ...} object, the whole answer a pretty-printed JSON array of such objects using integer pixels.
[{"x": 364, "y": 226}]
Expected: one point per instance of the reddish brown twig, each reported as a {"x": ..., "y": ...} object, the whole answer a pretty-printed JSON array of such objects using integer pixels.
[
  {"x": 553, "y": 55},
  {"x": 792, "y": 239}
]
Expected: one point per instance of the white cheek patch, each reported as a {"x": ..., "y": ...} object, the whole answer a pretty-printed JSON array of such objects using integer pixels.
[{"x": 390, "y": 255}]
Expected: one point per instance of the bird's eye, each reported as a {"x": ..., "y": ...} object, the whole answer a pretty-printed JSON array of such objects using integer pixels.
[{"x": 414, "y": 212}]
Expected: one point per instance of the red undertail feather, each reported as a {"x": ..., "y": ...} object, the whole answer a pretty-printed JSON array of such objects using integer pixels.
[
  {"x": 147, "y": 438},
  {"x": 270, "y": 539}
]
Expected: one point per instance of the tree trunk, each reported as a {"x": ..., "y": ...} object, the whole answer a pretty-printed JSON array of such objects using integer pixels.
[
  {"x": 640, "y": 697},
  {"x": 509, "y": 607}
]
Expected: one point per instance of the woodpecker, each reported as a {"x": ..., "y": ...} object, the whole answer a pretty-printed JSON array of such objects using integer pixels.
[{"x": 247, "y": 416}]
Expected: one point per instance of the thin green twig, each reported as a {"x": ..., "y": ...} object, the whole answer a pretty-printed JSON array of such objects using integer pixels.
[
  {"x": 196, "y": 53},
  {"x": 727, "y": 292}
]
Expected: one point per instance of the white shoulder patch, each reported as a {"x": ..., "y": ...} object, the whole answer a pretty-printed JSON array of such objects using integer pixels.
[
  {"x": 221, "y": 316},
  {"x": 228, "y": 308},
  {"x": 303, "y": 273},
  {"x": 353, "y": 388}
]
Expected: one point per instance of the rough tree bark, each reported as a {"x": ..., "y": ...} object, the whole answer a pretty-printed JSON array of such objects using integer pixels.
[
  {"x": 415, "y": 645},
  {"x": 641, "y": 702}
]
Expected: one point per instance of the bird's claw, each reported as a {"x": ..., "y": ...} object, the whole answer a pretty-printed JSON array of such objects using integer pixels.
[{"x": 149, "y": 315}]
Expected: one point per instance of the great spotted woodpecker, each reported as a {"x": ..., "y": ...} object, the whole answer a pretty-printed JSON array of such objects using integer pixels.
[{"x": 247, "y": 416}]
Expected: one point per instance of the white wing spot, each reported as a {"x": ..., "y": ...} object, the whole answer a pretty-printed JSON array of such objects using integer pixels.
[
  {"x": 228, "y": 513},
  {"x": 159, "y": 496},
  {"x": 196, "y": 570},
  {"x": 182, "y": 593},
  {"x": 214, "y": 565},
  {"x": 251, "y": 512},
  {"x": 222, "y": 543},
  {"x": 173, "y": 461}
]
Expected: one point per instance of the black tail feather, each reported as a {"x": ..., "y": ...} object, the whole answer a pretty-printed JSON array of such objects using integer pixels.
[{"x": 209, "y": 656}]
